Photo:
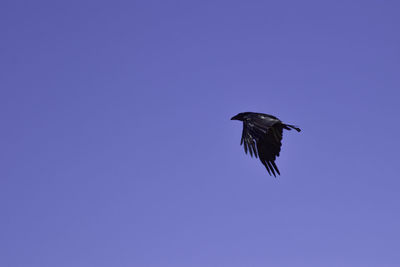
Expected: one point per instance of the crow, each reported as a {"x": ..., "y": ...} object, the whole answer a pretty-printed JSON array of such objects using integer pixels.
[{"x": 262, "y": 136}]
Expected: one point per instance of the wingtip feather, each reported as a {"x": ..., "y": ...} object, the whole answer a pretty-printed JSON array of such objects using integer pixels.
[
  {"x": 272, "y": 169},
  {"x": 276, "y": 167}
]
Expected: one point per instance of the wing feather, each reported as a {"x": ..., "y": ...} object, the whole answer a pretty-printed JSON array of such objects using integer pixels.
[
  {"x": 272, "y": 169},
  {"x": 264, "y": 142}
]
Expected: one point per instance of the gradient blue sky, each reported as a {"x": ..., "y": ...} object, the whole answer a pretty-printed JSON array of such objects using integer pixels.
[{"x": 117, "y": 148}]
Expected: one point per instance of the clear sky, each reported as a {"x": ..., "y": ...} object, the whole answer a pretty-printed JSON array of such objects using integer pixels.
[{"x": 117, "y": 148}]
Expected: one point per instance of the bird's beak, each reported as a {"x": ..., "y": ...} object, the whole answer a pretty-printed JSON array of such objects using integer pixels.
[{"x": 236, "y": 117}]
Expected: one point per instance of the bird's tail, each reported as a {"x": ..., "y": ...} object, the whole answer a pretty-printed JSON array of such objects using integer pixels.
[{"x": 290, "y": 127}]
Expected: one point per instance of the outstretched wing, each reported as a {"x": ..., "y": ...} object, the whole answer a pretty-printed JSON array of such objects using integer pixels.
[
  {"x": 264, "y": 141},
  {"x": 269, "y": 148}
]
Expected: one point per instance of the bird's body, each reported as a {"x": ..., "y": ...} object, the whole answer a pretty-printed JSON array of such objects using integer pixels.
[{"x": 262, "y": 136}]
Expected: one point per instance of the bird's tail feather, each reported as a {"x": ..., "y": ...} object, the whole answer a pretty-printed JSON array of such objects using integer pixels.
[{"x": 290, "y": 127}]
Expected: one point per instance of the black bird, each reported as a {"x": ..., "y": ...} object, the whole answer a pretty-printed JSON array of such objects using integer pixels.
[{"x": 262, "y": 136}]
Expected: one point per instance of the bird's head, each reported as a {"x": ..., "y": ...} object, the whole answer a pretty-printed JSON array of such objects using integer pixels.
[{"x": 238, "y": 117}]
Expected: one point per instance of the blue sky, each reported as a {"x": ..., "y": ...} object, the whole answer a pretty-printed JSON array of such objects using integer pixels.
[{"x": 117, "y": 148}]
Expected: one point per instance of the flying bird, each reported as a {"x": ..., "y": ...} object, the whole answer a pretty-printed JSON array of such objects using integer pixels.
[{"x": 262, "y": 136}]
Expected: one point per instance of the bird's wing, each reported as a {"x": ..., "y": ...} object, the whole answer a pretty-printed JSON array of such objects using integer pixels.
[
  {"x": 251, "y": 135},
  {"x": 269, "y": 148},
  {"x": 264, "y": 142}
]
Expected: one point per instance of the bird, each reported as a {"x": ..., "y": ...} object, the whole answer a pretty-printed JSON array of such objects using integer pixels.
[{"x": 262, "y": 137}]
